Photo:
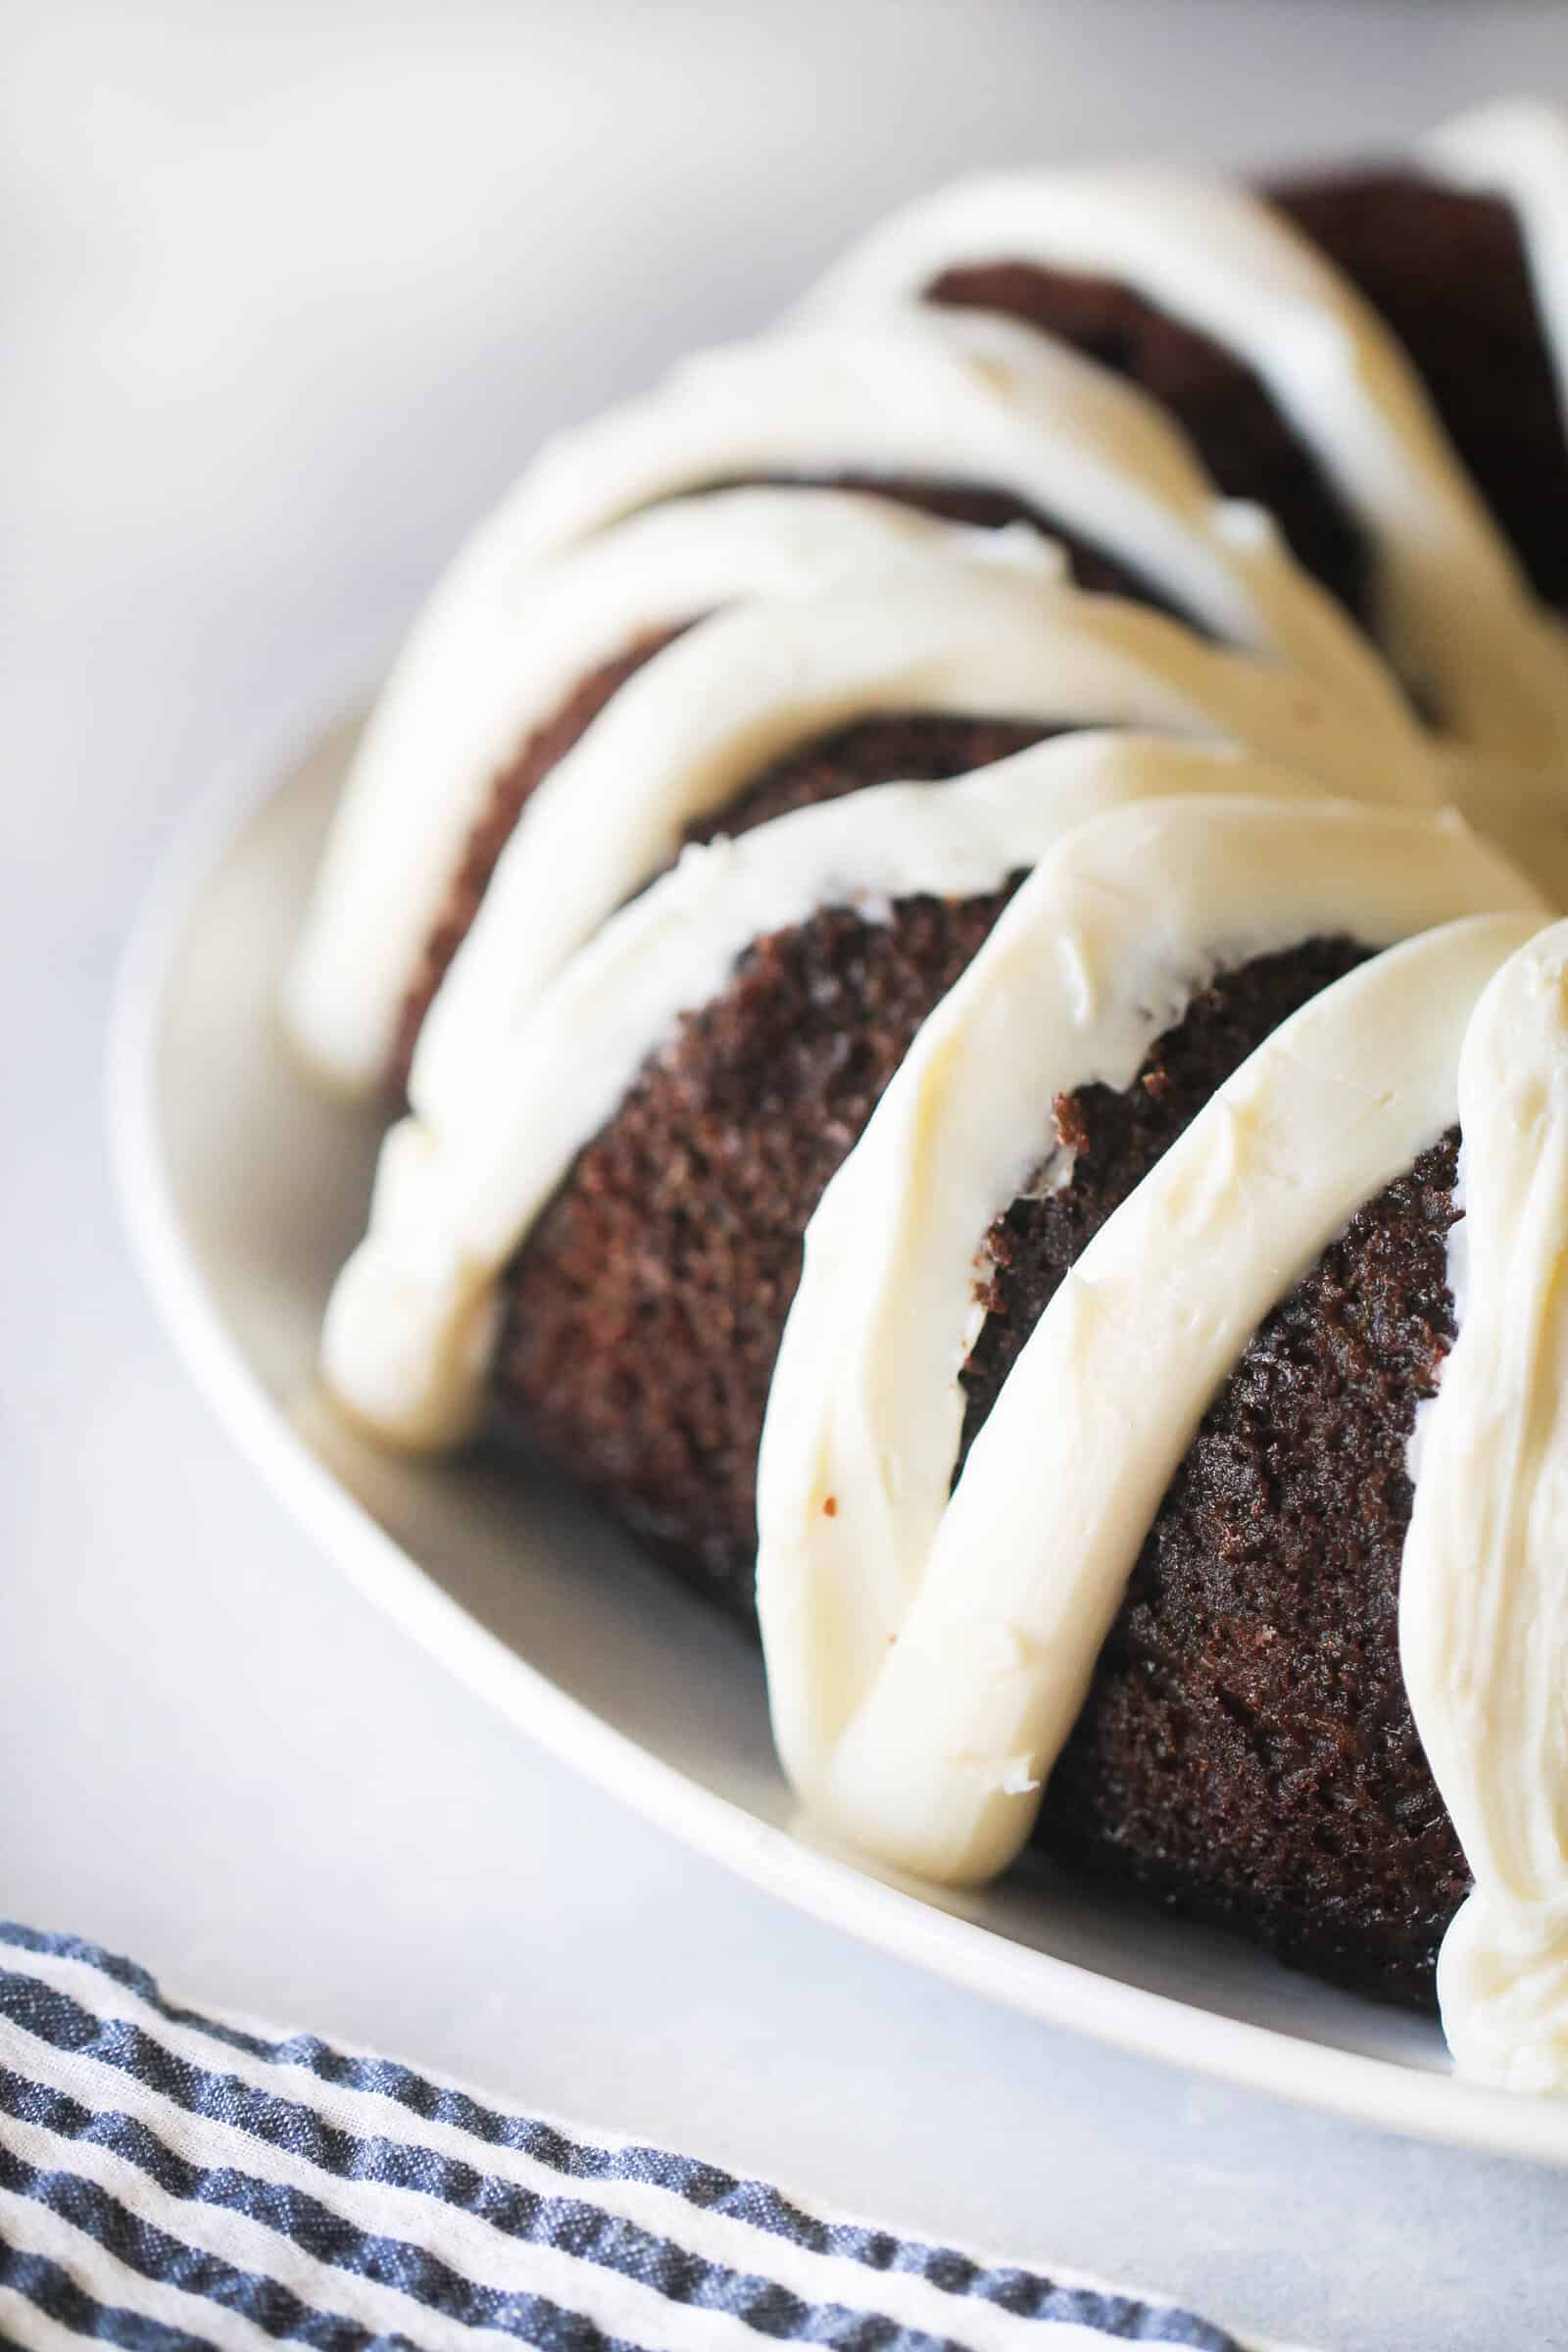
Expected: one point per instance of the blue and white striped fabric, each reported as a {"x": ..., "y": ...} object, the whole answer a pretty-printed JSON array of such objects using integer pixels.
[{"x": 169, "y": 2179}]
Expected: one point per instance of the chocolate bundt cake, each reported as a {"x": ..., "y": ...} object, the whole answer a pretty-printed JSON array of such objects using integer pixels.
[{"x": 960, "y": 902}]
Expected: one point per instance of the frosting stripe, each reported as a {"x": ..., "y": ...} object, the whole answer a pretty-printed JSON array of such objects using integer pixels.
[
  {"x": 1484, "y": 1585},
  {"x": 989, "y": 636}
]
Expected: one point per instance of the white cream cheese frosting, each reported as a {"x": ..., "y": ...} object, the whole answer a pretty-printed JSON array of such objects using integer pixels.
[
  {"x": 1484, "y": 1581},
  {"x": 1453, "y": 607},
  {"x": 407, "y": 1331},
  {"x": 966, "y": 399},
  {"x": 498, "y": 651},
  {"x": 919, "y": 1702},
  {"x": 993, "y": 636}
]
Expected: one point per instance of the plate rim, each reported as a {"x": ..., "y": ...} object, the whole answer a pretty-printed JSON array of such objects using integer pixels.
[{"x": 1359, "y": 2087}]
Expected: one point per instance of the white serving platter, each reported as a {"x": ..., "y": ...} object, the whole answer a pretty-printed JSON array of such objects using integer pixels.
[{"x": 244, "y": 1189}]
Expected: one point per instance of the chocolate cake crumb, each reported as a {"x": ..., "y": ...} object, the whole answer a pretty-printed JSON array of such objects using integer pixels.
[
  {"x": 1446, "y": 268},
  {"x": 643, "y": 1315},
  {"x": 1068, "y": 1124},
  {"x": 1246, "y": 1752}
]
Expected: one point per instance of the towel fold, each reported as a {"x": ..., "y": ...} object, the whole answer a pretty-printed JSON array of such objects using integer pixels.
[{"x": 172, "y": 2179}]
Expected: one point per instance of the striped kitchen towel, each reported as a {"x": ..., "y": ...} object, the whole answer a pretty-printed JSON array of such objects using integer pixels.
[{"x": 169, "y": 2178}]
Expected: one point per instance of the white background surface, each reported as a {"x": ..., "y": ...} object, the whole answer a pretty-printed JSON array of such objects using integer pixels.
[{"x": 288, "y": 292}]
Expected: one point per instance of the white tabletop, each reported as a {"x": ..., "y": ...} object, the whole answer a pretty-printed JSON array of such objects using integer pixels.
[{"x": 290, "y": 289}]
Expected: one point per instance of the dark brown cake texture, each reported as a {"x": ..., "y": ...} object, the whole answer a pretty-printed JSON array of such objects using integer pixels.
[
  {"x": 733, "y": 1131},
  {"x": 643, "y": 1315},
  {"x": 1448, "y": 270},
  {"x": 1247, "y": 1751}
]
